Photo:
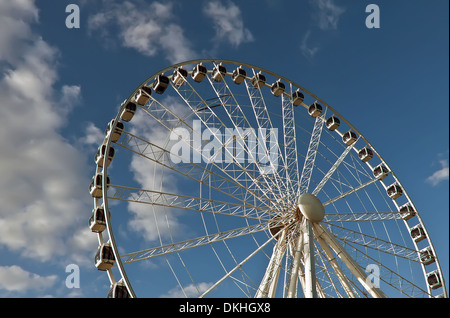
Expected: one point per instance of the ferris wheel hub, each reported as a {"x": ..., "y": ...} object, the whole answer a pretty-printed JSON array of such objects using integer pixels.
[{"x": 311, "y": 207}]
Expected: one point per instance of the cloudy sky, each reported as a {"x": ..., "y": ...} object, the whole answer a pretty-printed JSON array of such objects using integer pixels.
[{"x": 59, "y": 87}]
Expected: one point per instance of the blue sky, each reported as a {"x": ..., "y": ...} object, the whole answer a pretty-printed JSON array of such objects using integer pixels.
[{"x": 59, "y": 87}]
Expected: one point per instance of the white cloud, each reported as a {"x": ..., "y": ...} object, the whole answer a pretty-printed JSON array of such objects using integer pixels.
[
  {"x": 439, "y": 175},
  {"x": 328, "y": 14},
  {"x": 308, "y": 52},
  {"x": 187, "y": 291},
  {"x": 15, "y": 279},
  {"x": 228, "y": 23},
  {"x": 94, "y": 136},
  {"x": 149, "y": 29},
  {"x": 14, "y": 23},
  {"x": 43, "y": 177}
]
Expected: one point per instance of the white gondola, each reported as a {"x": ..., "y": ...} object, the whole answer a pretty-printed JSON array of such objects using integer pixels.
[
  {"x": 365, "y": 154},
  {"x": 118, "y": 290},
  {"x": 128, "y": 111},
  {"x": 258, "y": 80},
  {"x": 96, "y": 186},
  {"x": 407, "y": 211},
  {"x": 219, "y": 72},
  {"x": 104, "y": 258},
  {"x": 179, "y": 76},
  {"x": 239, "y": 75},
  {"x": 417, "y": 233},
  {"x": 143, "y": 95},
  {"x": 97, "y": 221},
  {"x": 297, "y": 98},
  {"x": 117, "y": 132},
  {"x": 349, "y": 138},
  {"x": 380, "y": 171},
  {"x": 278, "y": 88},
  {"x": 199, "y": 73},
  {"x": 426, "y": 256},
  {"x": 394, "y": 191},
  {"x": 333, "y": 123},
  {"x": 434, "y": 279},
  {"x": 100, "y": 155},
  {"x": 161, "y": 83},
  {"x": 315, "y": 109}
]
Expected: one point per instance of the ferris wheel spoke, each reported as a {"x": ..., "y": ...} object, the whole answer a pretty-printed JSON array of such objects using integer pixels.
[
  {"x": 242, "y": 127},
  {"x": 355, "y": 189},
  {"x": 311, "y": 154},
  {"x": 351, "y": 264},
  {"x": 188, "y": 244},
  {"x": 290, "y": 146},
  {"x": 238, "y": 266},
  {"x": 219, "y": 182},
  {"x": 332, "y": 170},
  {"x": 185, "y": 202},
  {"x": 264, "y": 122},
  {"x": 328, "y": 283},
  {"x": 366, "y": 216},
  {"x": 351, "y": 236}
]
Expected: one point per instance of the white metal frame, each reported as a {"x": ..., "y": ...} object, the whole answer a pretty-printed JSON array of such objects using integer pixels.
[{"x": 307, "y": 248}]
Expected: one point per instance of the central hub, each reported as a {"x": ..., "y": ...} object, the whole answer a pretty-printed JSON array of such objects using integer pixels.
[
  {"x": 308, "y": 206},
  {"x": 311, "y": 207}
]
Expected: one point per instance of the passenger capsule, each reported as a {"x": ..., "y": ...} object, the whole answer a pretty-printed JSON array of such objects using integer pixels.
[
  {"x": 100, "y": 155},
  {"x": 365, "y": 154},
  {"x": 199, "y": 72},
  {"x": 315, "y": 109},
  {"x": 117, "y": 131},
  {"x": 407, "y": 211},
  {"x": 161, "y": 83},
  {"x": 219, "y": 72},
  {"x": 278, "y": 88},
  {"x": 118, "y": 290},
  {"x": 349, "y": 138},
  {"x": 297, "y": 98},
  {"x": 97, "y": 221},
  {"x": 179, "y": 76},
  {"x": 96, "y": 186},
  {"x": 258, "y": 80},
  {"x": 394, "y": 191},
  {"x": 434, "y": 279},
  {"x": 417, "y": 233},
  {"x": 143, "y": 95},
  {"x": 128, "y": 111},
  {"x": 380, "y": 171},
  {"x": 333, "y": 123},
  {"x": 426, "y": 256},
  {"x": 104, "y": 258},
  {"x": 239, "y": 75}
]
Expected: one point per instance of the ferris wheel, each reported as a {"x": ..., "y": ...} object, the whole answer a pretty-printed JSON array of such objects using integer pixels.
[{"x": 223, "y": 179}]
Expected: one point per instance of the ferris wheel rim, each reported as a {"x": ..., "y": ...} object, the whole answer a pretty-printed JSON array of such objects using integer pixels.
[{"x": 174, "y": 66}]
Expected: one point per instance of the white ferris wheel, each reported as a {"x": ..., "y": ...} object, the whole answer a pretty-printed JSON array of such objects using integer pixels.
[{"x": 222, "y": 179}]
